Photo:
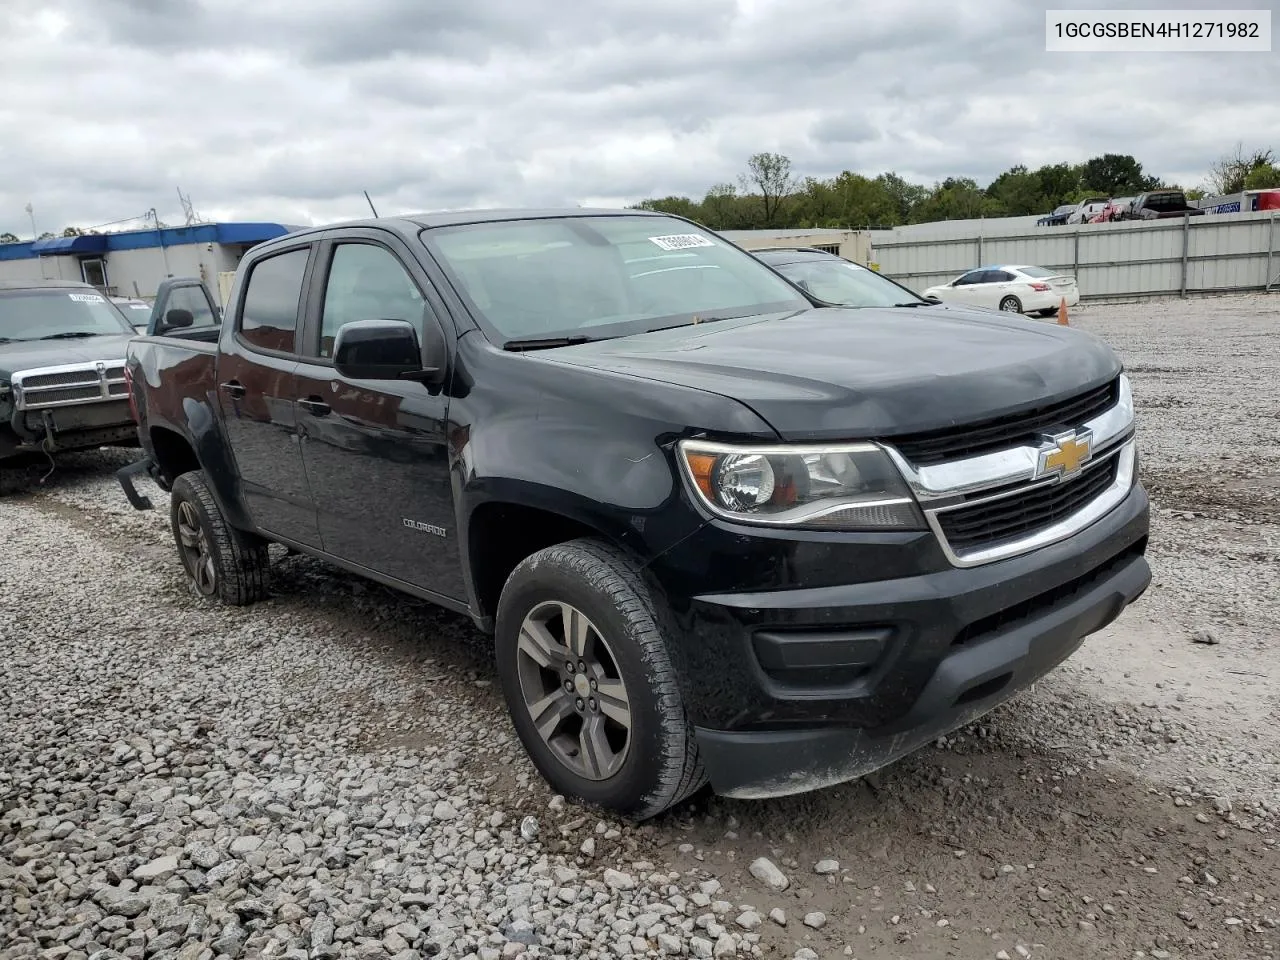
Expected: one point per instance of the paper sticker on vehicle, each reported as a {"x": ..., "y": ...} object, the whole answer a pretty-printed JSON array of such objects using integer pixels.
[
  {"x": 681, "y": 241},
  {"x": 86, "y": 298}
]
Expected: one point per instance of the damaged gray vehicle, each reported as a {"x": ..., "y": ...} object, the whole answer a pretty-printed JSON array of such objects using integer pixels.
[{"x": 62, "y": 385}]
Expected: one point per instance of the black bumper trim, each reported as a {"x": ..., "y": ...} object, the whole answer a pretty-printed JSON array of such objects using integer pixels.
[{"x": 967, "y": 683}]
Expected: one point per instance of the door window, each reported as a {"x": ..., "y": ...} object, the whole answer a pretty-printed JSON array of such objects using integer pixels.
[
  {"x": 193, "y": 299},
  {"x": 973, "y": 276},
  {"x": 269, "y": 318},
  {"x": 366, "y": 282}
]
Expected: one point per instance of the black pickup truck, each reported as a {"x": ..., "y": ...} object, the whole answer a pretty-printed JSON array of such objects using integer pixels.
[{"x": 719, "y": 530}]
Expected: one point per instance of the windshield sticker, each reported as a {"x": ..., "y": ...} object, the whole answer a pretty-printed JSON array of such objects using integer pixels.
[
  {"x": 139, "y": 306},
  {"x": 681, "y": 241},
  {"x": 86, "y": 298}
]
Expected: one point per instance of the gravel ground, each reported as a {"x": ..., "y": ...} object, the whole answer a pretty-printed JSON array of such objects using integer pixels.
[{"x": 331, "y": 773}]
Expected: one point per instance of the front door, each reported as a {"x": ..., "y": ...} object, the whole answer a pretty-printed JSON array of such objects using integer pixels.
[
  {"x": 257, "y": 385},
  {"x": 376, "y": 453}
]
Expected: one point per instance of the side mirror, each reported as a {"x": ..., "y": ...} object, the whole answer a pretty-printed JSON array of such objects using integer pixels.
[
  {"x": 177, "y": 317},
  {"x": 383, "y": 350}
]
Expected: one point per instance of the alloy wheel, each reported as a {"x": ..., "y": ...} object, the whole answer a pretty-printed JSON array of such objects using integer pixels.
[
  {"x": 573, "y": 691},
  {"x": 195, "y": 549}
]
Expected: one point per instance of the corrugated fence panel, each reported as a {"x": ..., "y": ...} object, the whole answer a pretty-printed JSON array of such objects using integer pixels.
[{"x": 1130, "y": 258}]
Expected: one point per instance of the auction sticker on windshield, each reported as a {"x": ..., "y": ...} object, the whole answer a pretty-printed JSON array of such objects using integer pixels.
[
  {"x": 86, "y": 298},
  {"x": 681, "y": 241}
]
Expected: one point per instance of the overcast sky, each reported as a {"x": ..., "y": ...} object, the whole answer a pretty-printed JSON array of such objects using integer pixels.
[{"x": 285, "y": 110}]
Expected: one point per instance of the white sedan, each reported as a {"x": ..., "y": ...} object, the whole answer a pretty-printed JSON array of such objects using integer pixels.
[{"x": 1015, "y": 289}]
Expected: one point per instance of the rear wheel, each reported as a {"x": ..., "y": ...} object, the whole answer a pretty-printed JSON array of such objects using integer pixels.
[
  {"x": 582, "y": 650},
  {"x": 1011, "y": 305},
  {"x": 221, "y": 561}
]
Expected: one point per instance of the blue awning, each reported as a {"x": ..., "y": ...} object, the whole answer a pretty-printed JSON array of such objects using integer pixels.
[{"x": 90, "y": 243}]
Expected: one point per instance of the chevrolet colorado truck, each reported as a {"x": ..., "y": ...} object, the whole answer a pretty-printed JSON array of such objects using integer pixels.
[
  {"x": 718, "y": 530},
  {"x": 62, "y": 387}
]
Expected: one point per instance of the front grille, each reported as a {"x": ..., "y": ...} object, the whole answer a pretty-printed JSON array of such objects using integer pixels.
[
  {"x": 67, "y": 395},
  {"x": 1022, "y": 514},
  {"x": 60, "y": 386},
  {"x": 1015, "y": 430},
  {"x": 64, "y": 379}
]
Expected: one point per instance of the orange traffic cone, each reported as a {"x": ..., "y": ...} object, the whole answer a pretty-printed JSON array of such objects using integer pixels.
[{"x": 1062, "y": 313}]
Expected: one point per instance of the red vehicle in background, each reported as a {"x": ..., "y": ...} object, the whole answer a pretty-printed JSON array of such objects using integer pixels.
[{"x": 1114, "y": 210}]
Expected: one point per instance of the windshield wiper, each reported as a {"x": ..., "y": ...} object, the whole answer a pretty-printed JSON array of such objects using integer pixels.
[
  {"x": 71, "y": 335},
  {"x": 915, "y": 303},
  {"x": 546, "y": 343}
]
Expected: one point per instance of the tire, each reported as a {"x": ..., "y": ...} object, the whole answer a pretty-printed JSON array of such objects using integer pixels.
[
  {"x": 1011, "y": 305},
  {"x": 658, "y": 764},
  {"x": 220, "y": 560}
]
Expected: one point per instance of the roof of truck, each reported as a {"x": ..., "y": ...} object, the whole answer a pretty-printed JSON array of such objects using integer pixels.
[
  {"x": 36, "y": 283},
  {"x": 452, "y": 218}
]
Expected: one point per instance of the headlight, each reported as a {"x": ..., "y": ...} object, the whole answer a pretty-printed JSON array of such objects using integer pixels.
[{"x": 848, "y": 487}]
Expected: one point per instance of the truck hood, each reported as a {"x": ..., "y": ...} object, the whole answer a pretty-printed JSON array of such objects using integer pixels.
[
  {"x": 831, "y": 373},
  {"x": 29, "y": 354}
]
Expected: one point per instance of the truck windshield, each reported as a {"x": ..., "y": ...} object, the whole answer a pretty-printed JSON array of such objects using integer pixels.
[
  {"x": 603, "y": 276},
  {"x": 53, "y": 313},
  {"x": 844, "y": 283}
]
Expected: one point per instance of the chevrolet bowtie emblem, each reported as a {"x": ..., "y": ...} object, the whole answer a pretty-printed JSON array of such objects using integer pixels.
[{"x": 1063, "y": 455}]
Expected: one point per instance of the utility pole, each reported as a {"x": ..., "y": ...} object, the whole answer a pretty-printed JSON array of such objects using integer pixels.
[{"x": 32, "y": 214}]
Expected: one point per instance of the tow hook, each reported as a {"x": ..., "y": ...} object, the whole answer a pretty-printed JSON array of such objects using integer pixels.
[{"x": 125, "y": 477}]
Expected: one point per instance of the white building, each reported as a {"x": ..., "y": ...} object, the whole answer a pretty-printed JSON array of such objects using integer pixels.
[{"x": 133, "y": 263}]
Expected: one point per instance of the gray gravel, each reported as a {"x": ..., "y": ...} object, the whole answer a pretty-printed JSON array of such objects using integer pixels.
[{"x": 185, "y": 781}]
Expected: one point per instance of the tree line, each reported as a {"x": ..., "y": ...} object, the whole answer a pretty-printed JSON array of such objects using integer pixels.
[{"x": 770, "y": 195}]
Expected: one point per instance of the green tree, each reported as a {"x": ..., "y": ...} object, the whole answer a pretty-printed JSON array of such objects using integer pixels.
[
  {"x": 1230, "y": 173},
  {"x": 680, "y": 206},
  {"x": 1115, "y": 174},
  {"x": 956, "y": 198},
  {"x": 902, "y": 196},
  {"x": 769, "y": 177},
  {"x": 722, "y": 207},
  {"x": 73, "y": 232},
  {"x": 9, "y": 238},
  {"x": 1017, "y": 192},
  {"x": 1059, "y": 183},
  {"x": 1265, "y": 176}
]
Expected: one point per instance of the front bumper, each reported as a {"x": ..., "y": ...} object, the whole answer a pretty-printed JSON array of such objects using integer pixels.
[
  {"x": 76, "y": 427},
  {"x": 795, "y": 689}
]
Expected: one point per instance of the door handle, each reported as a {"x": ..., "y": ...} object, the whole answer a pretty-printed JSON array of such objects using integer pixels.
[
  {"x": 234, "y": 388},
  {"x": 315, "y": 406}
]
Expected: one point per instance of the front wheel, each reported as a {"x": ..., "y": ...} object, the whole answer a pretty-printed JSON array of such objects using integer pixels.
[
  {"x": 1011, "y": 305},
  {"x": 221, "y": 561},
  {"x": 583, "y": 656}
]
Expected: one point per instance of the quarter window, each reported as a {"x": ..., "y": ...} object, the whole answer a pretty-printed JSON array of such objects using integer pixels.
[{"x": 269, "y": 319}]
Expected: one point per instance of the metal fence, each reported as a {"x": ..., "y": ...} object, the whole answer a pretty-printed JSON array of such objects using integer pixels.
[{"x": 1213, "y": 253}]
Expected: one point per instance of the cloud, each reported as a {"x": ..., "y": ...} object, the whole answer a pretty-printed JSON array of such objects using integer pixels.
[{"x": 287, "y": 110}]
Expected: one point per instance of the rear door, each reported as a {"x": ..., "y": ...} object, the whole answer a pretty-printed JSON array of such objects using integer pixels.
[
  {"x": 257, "y": 386},
  {"x": 376, "y": 452}
]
